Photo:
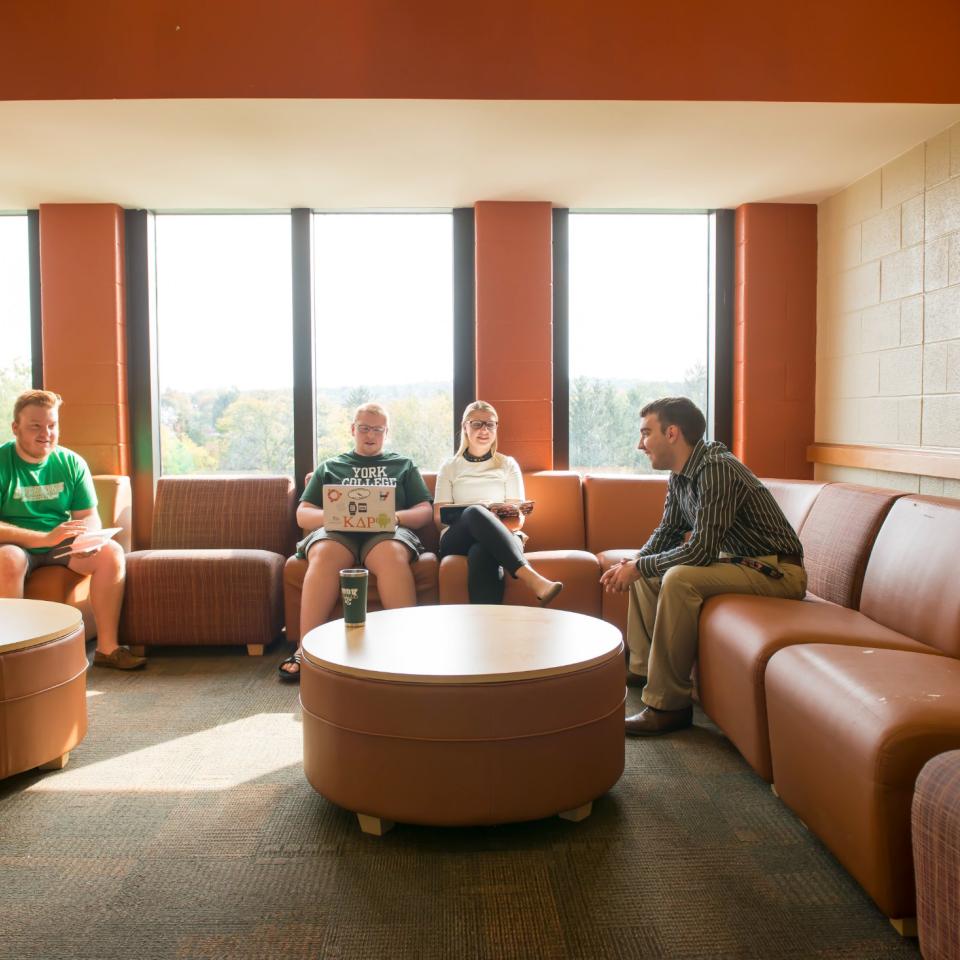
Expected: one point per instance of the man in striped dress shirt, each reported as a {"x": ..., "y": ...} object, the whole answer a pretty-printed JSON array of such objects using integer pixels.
[{"x": 739, "y": 542}]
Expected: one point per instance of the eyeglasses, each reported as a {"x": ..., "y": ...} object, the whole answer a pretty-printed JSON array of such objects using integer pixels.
[
  {"x": 365, "y": 429},
  {"x": 480, "y": 424}
]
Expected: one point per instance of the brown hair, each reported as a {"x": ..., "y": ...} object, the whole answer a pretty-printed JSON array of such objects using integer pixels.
[
  {"x": 478, "y": 406},
  {"x": 678, "y": 412},
  {"x": 36, "y": 398}
]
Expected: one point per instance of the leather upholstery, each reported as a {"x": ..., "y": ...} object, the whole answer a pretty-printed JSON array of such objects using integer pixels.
[
  {"x": 739, "y": 635},
  {"x": 43, "y": 703},
  {"x": 114, "y": 505},
  {"x": 579, "y": 571},
  {"x": 557, "y": 519},
  {"x": 622, "y": 511},
  {"x": 795, "y": 498},
  {"x": 463, "y": 753},
  {"x": 911, "y": 580},
  {"x": 424, "y": 577},
  {"x": 850, "y": 730}
]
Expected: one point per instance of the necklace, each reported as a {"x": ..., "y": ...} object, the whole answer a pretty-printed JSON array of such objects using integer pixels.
[{"x": 467, "y": 455}]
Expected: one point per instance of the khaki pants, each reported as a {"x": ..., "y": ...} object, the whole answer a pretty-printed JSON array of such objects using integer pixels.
[{"x": 663, "y": 618}]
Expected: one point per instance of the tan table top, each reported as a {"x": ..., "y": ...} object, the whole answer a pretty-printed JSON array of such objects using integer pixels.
[
  {"x": 453, "y": 643},
  {"x": 28, "y": 623}
]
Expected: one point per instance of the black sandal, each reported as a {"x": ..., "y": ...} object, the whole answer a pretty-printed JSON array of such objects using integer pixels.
[{"x": 290, "y": 676}]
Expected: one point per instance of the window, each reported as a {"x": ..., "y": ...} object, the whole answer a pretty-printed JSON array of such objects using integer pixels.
[
  {"x": 384, "y": 329},
  {"x": 224, "y": 343},
  {"x": 639, "y": 328},
  {"x": 16, "y": 371}
]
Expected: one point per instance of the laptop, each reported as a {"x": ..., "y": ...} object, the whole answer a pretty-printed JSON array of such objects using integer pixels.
[{"x": 355, "y": 509}]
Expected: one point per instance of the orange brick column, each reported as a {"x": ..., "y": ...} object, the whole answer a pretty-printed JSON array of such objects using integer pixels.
[
  {"x": 775, "y": 330},
  {"x": 84, "y": 328},
  {"x": 514, "y": 289}
]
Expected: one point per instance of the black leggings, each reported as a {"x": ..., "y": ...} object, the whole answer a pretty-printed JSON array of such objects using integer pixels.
[{"x": 488, "y": 545}]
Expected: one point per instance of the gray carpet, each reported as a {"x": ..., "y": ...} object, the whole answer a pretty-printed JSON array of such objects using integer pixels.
[{"x": 184, "y": 828}]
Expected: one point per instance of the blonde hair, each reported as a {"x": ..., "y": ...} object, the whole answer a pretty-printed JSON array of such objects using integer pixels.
[
  {"x": 478, "y": 406},
  {"x": 374, "y": 408},
  {"x": 36, "y": 398}
]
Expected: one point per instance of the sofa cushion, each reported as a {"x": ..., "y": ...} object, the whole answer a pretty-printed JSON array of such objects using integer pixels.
[
  {"x": 243, "y": 513},
  {"x": 579, "y": 571},
  {"x": 850, "y": 730},
  {"x": 622, "y": 511},
  {"x": 557, "y": 519},
  {"x": 911, "y": 579},
  {"x": 739, "y": 635},
  {"x": 424, "y": 578},
  {"x": 188, "y": 597},
  {"x": 795, "y": 498},
  {"x": 837, "y": 537}
]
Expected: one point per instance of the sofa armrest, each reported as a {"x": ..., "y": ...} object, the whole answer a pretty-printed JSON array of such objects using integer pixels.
[{"x": 115, "y": 506}]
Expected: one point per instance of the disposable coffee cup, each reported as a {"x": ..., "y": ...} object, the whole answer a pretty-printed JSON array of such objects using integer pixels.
[{"x": 353, "y": 590}]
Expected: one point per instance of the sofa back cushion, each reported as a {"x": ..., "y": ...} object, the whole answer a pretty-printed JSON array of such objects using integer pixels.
[
  {"x": 837, "y": 537},
  {"x": 199, "y": 513},
  {"x": 622, "y": 511},
  {"x": 557, "y": 519},
  {"x": 115, "y": 506},
  {"x": 795, "y": 498},
  {"x": 429, "y": 535},
  {"x": 911, "y": 580}
]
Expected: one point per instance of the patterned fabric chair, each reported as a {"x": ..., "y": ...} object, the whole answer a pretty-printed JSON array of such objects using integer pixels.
[
  {"x": 936, "y": 856},
  {"x": 214, "y": 572}
]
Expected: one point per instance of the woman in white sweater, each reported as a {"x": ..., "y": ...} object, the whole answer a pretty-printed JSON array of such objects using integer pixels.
[{"x": 479, "y": 477}]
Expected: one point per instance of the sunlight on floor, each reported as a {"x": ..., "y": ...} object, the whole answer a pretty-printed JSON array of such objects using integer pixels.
[{"x": 215, "y": 759}]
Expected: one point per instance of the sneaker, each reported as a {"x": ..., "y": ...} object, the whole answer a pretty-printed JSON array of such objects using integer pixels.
[{"x": 121, "y": 659}]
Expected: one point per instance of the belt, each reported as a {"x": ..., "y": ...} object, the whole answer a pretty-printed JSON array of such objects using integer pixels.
[{"x": 793, "y": 558}]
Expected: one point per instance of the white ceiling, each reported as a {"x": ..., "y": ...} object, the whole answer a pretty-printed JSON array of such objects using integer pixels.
[{"x": 356, "y": 154}]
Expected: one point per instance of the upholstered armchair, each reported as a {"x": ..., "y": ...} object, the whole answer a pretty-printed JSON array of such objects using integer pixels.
[
  {"x": 214, "y": 572},
  {"x": 64, "y": 586}
]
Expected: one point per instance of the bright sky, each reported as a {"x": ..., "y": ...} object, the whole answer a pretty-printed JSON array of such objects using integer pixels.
[
  {"x": 14, "y": 290},
  {"x": 638, "y": 295},
  {"x": 384, "y": 297}
]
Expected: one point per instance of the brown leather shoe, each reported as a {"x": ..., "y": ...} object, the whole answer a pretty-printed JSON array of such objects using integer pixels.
[
  {"x": 635, "y": 680},
  {"x": 649, "y": 722},
  {"x": 120, "y": 659}
]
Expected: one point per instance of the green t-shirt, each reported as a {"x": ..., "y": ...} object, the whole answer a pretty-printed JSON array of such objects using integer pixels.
[
  {"x": 384, "y": 470},
  {"x": 41, "y": 496}
]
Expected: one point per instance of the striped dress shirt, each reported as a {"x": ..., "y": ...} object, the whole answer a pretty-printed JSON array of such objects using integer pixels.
[{"x": 723, "y": 507}]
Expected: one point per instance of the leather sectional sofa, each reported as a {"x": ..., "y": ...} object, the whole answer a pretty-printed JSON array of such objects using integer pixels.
[{"x": 838, "y": 700}]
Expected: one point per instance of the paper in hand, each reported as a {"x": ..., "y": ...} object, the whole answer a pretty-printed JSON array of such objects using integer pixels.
[{"x": 85, "y": 542}]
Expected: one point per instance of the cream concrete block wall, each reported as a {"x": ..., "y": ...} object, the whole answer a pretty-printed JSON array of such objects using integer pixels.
[{"x": 888, "y": 312}]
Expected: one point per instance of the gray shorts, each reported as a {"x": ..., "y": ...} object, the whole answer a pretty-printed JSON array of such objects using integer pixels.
[
  {"x": 360, "y": 544},
  {"x": 46, "y": 559}
]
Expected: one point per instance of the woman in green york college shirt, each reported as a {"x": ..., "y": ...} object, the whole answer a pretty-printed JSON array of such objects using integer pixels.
[{"x": 387, "y": 555}]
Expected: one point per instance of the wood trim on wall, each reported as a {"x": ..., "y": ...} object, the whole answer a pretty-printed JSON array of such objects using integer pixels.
[{"x": 928, "y": 463}]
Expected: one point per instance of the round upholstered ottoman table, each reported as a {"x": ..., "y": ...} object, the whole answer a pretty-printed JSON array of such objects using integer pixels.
[
  {"x": 43, "y": 684},
  {"x": 455, "y": 715}
]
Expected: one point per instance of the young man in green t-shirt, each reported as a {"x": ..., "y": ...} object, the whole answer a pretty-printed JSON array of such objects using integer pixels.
[
  {"x": 387, "y": 555},
  {"x": 46, "y": 499}
]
